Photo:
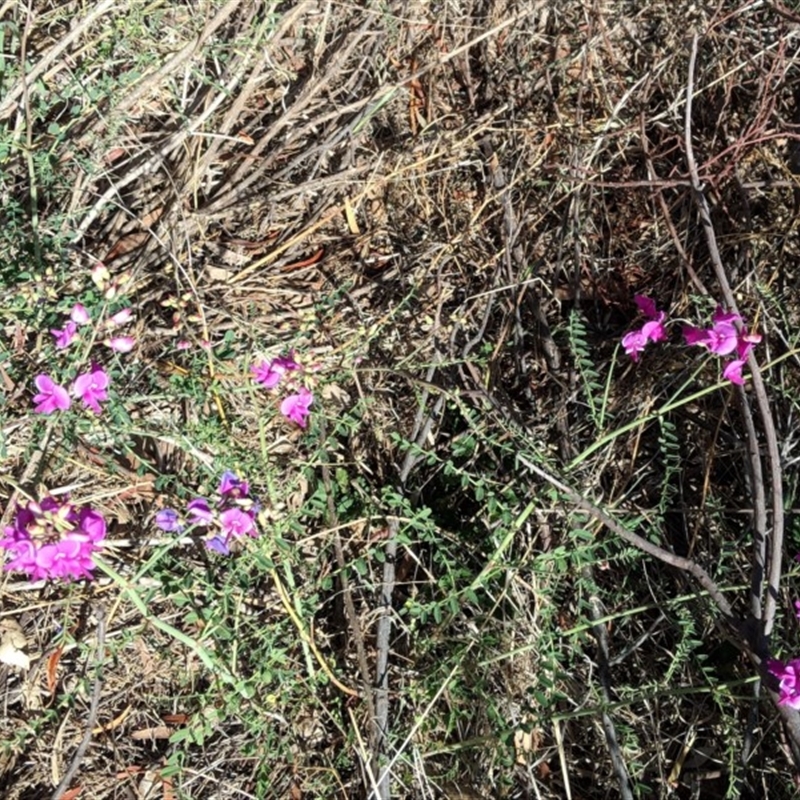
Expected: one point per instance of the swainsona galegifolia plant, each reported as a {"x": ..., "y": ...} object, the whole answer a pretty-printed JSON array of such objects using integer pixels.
[{"x": 53, "y": 539}]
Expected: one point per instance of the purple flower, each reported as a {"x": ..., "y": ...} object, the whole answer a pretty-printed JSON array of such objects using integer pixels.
[
  {"x": 91, "y": 387},
  {"x": 218, "y": 545},
  {"x": 53, "y": 539},
  {"x": 51, "y": 397},
  {"x": 296, "y": 407},
  {"x": 168, "y": 520},
  {"x": 66, "y": 336},
  {"x": 725, "y": 337},
  {"x": 788, "y": 676},
  {"x": 199, "y": 512},
  {"x": 231, "y": 485},
  {"x": 797, "y": 608},
  {"x": 747, "y": 341},
  {"x": 233, "y": 515},
  {"x": 270, "y": 373}
]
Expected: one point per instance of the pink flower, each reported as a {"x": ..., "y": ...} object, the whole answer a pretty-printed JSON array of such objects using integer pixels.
[
  {"x": 653, "y": 330},
  {"x": 120, "y": 344},
  {"x": 79, "y": 315},
  {"x": 51, "y": 397},
  {"x": 788, "y": 676},
  {"x": 724, "y": 338},
  {"x": 733, "y": 372},
  {"x": 270, "y": 373},
  {"x": 236, "y": 522},
  {"x": 296, "y": 407},
  {"x": 722, "y": 317},
  {"x": 747, "y": 341},
  {"x": 66, "y": 336},
  {"x": 120, "y": 318},
  {"x": 53, "y": 539},
  {"x": 797, "y": 608},
  {"x": 91, "y": 388}
]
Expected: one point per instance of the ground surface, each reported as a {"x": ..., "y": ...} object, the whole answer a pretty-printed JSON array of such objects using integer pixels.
[{"x": 445, "y": 211}]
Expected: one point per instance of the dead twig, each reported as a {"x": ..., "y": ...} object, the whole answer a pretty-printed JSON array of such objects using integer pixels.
[
  {"x": 422, "y": 428},
  {"x": 601, "y": 635},
  {"x": 761, "y": 643},
  {"x": 91, "y": 720},
  {"x": 350, "y": 610}
]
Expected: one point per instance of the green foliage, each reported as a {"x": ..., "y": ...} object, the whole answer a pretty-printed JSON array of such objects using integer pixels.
[{"x": 585, "y": 365}]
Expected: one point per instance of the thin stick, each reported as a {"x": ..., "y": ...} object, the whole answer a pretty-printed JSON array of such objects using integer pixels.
[
  {"x": 383, "y": 639},
  {"x": 94, "y": 706},
  {"x": 684, "y": 564},
  {"x": 601, "y": 635},
  {"x": 349, "y": 608},
  {"x": 770, "y": 435}
]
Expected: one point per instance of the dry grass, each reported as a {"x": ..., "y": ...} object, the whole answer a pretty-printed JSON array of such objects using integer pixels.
[{"x": 447, "y": 210}]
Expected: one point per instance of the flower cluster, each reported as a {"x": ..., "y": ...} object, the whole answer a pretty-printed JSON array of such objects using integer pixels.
[
  {"x": 788, "y": 676},
  {"x": 79, "y": 317},
  {"x": 53, "y": 539},
  {"x": 91, "y": 387},
  {"x": 295, "y": 406},
  {"x": 652, "y": 331},
  {"x": 727, "y": 336},
  {"x": 232, "y": 516}
]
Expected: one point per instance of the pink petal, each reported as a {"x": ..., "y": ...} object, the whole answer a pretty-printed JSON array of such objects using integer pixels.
[
  {"x": 121, "y": 344},
  {"x": 725, "y": 317},
  {"x": 695, "y": 335},
  {"x": 79, "y": 315},
  {"x": 646, "y": 305},
  {"x": 733, "y": 372},
  {"x": 120, "y": 318}
]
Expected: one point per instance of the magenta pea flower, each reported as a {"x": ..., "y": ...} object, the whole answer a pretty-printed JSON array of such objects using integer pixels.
[
  {"x": 747, "y": 341},
  {"x": 653, "y": 330},
  {"x": 66, "y": 335},
  {"x": 92, "y": 387},
  {"x": 788, "y": 676},
  {"x": 53, "y": 539},
  {"x": 270, "y": 373},
  {"x": 236, "y": 522},
  {"x": 296, "y": 406},
  {"x": 51, "y": 396},
  {"x": 724, "y": 338},
  {"x": 733, "y": 371},
  {"x": 233, "y": 515},
  {"x": 199, "y": 511}
]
